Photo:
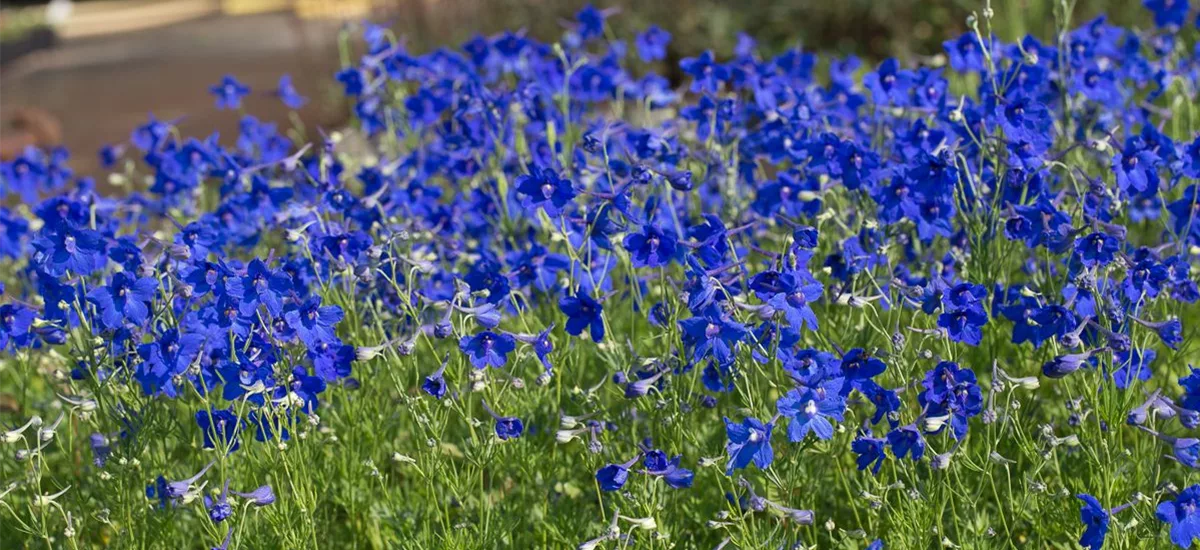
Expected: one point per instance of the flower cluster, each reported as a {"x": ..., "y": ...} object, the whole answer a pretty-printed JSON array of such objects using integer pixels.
[{"x": 873, "y": 258}]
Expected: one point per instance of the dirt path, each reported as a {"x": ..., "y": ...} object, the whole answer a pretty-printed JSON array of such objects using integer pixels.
[{"x": 100, "y": 88}]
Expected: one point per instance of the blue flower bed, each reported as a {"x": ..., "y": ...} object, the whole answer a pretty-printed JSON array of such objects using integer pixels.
[{"x": 537, "y": 297}]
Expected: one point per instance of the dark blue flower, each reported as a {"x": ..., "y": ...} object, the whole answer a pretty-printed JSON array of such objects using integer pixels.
[
  {"x": 583, "y": 313},
  {"x": 870, "y": 452},
  {"x": 1182, "y": 516},
  {"x": 507, "y": 427},
  {"x": 16, "y": 322},
  {"x": 1095, "y": 522},
  {"x": 229, "y": 93},
  {"x": 487, "y": 349},
  {"x": 124, "y": 299},
  {"x": 286, "y": 92},
  {"x": 220, "y": 425},
  {"x": 613, "y": 476},
  {"x": 653, "y": 246},
  {"x": 1168, "y": 13},
  {"x": 544, "y": 188},
  {"x": 811, "y": 410},
  {"x": 652, "y": 43},
  {"x": 907, "y": 441},
  {"x": 749, "y": 441},
  {"x": 314, "y": 323},
  {"x": 859, "y": 366},
  {"x": 712, "y": 335}
]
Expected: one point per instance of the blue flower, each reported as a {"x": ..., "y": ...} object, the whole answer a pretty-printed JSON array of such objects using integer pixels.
[
  {"x": 229, "y": 93},
  {"x": 69, "y": 249},
  {"x": 656, "y": 464},
  {"x": 1095, "y": 522},
  {"x": 314, "y": 323},
  {"x": 950, "y": 390},
  {"x": 1168, "y": 13},
  {"x": 1182, "y": 515},
  {"x": 218, "y": 508},
  {"x": 1096, "y": 249},
  {"x": 164, "y": 359},
  {"x": 966, "y": 53},
  {"x": 16, "y": 322},
  {"x": 707, "y": 75},
  {"x": 857, "y": 367},
  {"x": 583, "y": 313},
  {"x": 435, "y": 384},
  {"x": 487, "y": 349},
  {"x": 749, "y": 441},
  {"x": 907, "y": 441},
  {"x": 811, "y": 410},
  {"x": 1063, "y": 365},
  {"x": 712, "y": 335},
  {"x": 124, "y": 299},
  {"x": 653, "y": 246},
  {"x": 613, "y": 476},
  {"x": 507, "y": 427},
  {"x": 544, "y": 188},
  {"x": 221, "y": 425},
  {"x": 964, "y": 325},
  {"x": 286, "y": 92},
  {"x": 652, "y": 43},
  {"x": 870, "y": 452}
]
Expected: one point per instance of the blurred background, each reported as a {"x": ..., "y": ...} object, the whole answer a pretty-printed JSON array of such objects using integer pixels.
[{"x": 83, "y": 73}]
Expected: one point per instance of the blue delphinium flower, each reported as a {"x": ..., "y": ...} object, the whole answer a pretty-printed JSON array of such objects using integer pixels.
[
  {"x": 1096, "y": 249},
  {"x": 657, "y": 464},
  {"x": 507, "y": 427},
  {"x": 314, "y": 323},
  {"x": 261, "y": 496},
  {"x": 67, "y": 248},
  {"x": 1066, "y": 364},
  {"x": 16, "y": 322},
  {"x": 169, "y": 492},
  {"x": 1168, "y": 13},
  {"x": 707, "y": 75},
  {"x": 1095, "y": 520},
  {"x": 966, "y": 53},
  {"x": 965, "y": 324},
  {"x": 907, "y": 441},
  {"x": 218, "y": 508},
  {"x": 613, "y": 476},
  {"x": 749, "y": 441},
  {"x": 263, "y": 286},
  {"x": 713, "y": 335},
  {"x": 1182, "y": 516},
  {"x": 544, "y": 188},
  {"x": 435, "y": 384},
  {"x": 811, "y": 410},
  {"x": 859, "y": 366},
  {"x": 870, "y": 451},
  {"x": 124, "y": 299},
  {"x": 582, "y": 313},
  {"x": 221, "y": 425},
  {"x": 653, "y": 246},
  {"x": 286, "y": 92},
  {"x": 166, "y": 358},
  {"x": 950, "y": 390},
  {"x": 229, "y": 92},
  {"x": 652, "y": 43},
  {"x": 487, "y": 348}
]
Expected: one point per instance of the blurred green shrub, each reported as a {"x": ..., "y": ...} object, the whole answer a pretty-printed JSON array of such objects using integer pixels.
[{"x": 872, "y": 28}]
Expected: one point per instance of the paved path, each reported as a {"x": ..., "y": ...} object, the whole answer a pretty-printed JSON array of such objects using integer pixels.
[{"x": 101, "y": 88}]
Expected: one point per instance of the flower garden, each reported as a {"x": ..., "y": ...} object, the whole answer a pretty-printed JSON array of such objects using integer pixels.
[{"x": 538, "y": 295}]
